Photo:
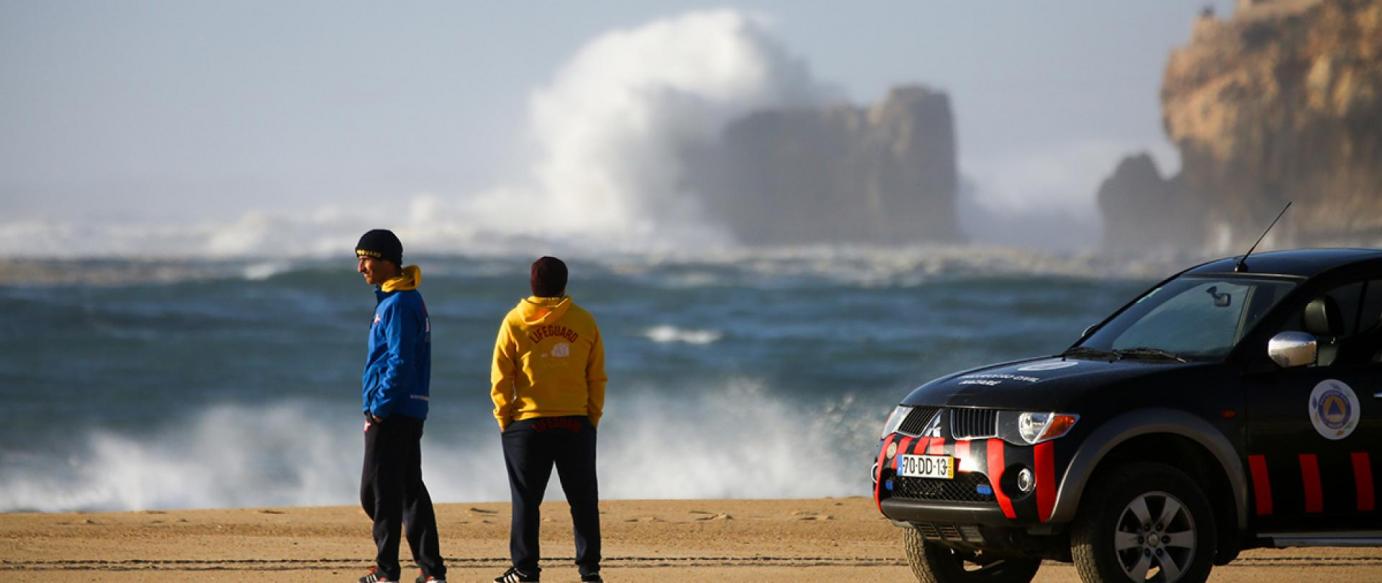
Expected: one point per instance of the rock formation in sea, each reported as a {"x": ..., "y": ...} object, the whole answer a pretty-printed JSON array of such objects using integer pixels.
[
  {"x": 1137, "y": 194},
  {"x": 1283, "y": 101},
  {"x": 885, "y": 174}
]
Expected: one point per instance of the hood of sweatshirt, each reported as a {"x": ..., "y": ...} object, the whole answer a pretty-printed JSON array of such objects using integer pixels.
[
  {"x": 537, "y": 311},
  {"x": 408, "y": 280}
]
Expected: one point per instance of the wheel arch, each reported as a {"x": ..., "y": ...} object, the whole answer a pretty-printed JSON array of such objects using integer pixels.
[{"x": 1130, "y": 433}]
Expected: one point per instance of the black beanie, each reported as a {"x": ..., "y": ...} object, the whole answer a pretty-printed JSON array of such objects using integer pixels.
[
  {"x": 548, "y": 277},
  {"x": 380, "y": 244}
]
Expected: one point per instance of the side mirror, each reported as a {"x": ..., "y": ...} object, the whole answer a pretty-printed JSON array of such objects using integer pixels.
[{"x": 1293, "y": 349}]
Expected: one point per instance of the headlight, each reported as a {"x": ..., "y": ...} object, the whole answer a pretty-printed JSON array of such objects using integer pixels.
[
  {"x": 895, "y": 420},
  {"x": 1032, "y": 428}
]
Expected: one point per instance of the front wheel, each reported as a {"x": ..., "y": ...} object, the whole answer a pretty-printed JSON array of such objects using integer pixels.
[
  {"x": 1145, "y": 522},
  {"x": 933, "y": 562}
]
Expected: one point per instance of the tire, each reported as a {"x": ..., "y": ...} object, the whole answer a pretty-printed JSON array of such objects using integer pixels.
[
  {"x": 1144, "y": 522},
  {"x": 933, "y": 562}
]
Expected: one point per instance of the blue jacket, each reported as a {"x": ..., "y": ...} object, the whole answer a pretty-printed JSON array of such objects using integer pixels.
[{"x": 399, "y": 367}]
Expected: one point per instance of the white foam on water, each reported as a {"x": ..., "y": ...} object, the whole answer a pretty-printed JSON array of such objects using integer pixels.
[
  {"x": 264, "y": 270},
  {"x": 669, "y": 334},
  {"x": 732, "y": 441},
  {"x": 859, "y": 266}
]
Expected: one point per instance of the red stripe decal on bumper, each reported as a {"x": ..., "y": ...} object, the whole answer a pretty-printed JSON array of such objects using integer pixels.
[
  {"x": 901, "y": 449},
  {"x": 1261, "y": 484},
  {"x": 1045, "y": 479},
  {"x": 878, "y": 477},
  {"x": 1362, "y": 481},
  {"x": 1310, "y": 482},
  {"x": 936, "y": 447},
  {"x": 994, "y": 453},
  {"x": 919, "y": 447},
  {"x": 962, "y": 461}
]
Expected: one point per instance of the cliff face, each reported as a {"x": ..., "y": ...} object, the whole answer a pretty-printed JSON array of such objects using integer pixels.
[
  {"x": 886, "y": 174},
  {"x": 1281, "y": 102}
]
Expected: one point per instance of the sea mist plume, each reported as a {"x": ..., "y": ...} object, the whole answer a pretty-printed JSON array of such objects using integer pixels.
[
  {"x": 614, "y": 124},
  {"x": 610, "y": 131}
]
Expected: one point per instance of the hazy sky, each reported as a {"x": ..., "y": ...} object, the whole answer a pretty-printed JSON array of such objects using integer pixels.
[{"x": 163, "y": 111}]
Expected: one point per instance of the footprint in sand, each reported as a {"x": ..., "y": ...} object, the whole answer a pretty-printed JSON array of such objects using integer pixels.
[
  {"x": 808, "y": 515},
  {"x": 644, "y": 519},
  {"x": 702, "y": 515}
]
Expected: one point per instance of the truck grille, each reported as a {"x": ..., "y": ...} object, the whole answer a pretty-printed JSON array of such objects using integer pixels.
[
  {"x": 964, "y": 488},
  {"x": 973, "y": 423},
  {"x": 916, "y": 420}
]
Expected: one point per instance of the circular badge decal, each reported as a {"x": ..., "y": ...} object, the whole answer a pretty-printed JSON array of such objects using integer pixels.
[
  {"x": 1334, "y": 409},
  {"x": 1049, "y": 365}
]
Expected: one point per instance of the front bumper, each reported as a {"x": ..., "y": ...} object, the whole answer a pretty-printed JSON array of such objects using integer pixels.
[
  {"x": 918, "y": 511},
  {"x": 985, "y": 490}
]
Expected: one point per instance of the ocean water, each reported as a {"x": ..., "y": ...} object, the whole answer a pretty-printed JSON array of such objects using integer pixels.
[{"x": 198, "y": 383}]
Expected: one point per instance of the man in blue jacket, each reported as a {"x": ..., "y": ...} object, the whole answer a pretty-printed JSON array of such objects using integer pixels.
[{"x": 395, "y": 394}]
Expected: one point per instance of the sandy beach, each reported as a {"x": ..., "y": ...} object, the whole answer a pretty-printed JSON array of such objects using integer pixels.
[{"x": 832, "y": 539}]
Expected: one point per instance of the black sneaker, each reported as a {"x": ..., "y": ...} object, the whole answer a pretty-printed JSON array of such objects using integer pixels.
[
  {"x": 513, "y": 575},
  {"x": 592, "y": 578},
  {"x": 375, "y": 577}
]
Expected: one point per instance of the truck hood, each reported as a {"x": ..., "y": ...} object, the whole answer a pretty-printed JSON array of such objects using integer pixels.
[{"x": 1038, "y": 384}]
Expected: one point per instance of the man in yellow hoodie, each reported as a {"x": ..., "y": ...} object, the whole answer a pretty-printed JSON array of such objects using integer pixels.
[{"x": 548, "y": 387}]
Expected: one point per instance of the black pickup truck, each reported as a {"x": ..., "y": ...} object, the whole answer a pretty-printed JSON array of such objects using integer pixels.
[{"x": 1236, "y": 404}]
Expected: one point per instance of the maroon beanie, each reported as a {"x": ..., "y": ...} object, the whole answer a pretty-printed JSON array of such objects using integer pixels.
[{"x": 548, "y": 277}]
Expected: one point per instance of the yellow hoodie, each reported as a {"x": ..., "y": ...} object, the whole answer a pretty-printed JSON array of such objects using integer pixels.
[{"x": 548, "y": 362}]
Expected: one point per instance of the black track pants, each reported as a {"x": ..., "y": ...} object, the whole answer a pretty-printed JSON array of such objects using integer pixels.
[
  {"x": 392, "y": 494},
  {"x": 531, "y": 448}
]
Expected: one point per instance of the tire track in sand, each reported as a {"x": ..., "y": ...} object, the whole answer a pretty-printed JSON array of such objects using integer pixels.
[{"x": 1292, "y": 561}]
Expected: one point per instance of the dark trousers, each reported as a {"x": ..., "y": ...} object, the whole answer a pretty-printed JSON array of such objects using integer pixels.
[
  {"x": 393, "y": 495},
  {"x": 531, "y": 447}
]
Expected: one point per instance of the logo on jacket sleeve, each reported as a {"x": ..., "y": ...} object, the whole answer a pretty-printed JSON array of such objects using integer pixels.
[{"x": 1334, "y": 409}]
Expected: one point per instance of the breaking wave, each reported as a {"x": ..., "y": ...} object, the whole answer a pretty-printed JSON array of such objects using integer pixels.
[
  {"x": 751, "y": 268},
  {"x": 868, "y": 267},
  {"x": 726, "y": 443}
]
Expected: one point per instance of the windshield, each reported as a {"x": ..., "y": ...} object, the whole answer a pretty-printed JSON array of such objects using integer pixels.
[{"x": 1189, "y": 318}]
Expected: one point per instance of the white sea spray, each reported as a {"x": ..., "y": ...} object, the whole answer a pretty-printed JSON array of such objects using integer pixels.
[{"x": 735, "y": 441}]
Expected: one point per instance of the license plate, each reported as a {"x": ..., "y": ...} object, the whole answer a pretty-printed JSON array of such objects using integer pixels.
[{"x": 926, "y": 466}]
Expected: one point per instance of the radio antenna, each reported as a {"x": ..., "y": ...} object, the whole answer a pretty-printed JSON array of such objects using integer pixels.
[{"x": 1243, "y": 262}]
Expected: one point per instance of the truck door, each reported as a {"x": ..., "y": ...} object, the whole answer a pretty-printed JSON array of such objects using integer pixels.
[{"x": 1314, "y": 433}]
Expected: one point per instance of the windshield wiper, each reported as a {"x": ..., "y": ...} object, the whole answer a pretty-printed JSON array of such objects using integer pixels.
[
  {"x": 1090, "y": 352},
  {"x": 1148, "y": 352}
]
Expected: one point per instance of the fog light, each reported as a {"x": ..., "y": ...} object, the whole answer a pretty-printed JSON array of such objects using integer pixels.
[
  {"x": 1024, "y": 480},
  {"x": 892, "y": 450}
]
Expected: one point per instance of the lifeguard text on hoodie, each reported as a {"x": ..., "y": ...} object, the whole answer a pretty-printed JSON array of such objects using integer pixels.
[{"x": 548, "y": 362}]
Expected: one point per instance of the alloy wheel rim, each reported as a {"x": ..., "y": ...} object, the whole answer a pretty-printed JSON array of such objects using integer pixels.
[{"x": 1155, "y": 531}]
